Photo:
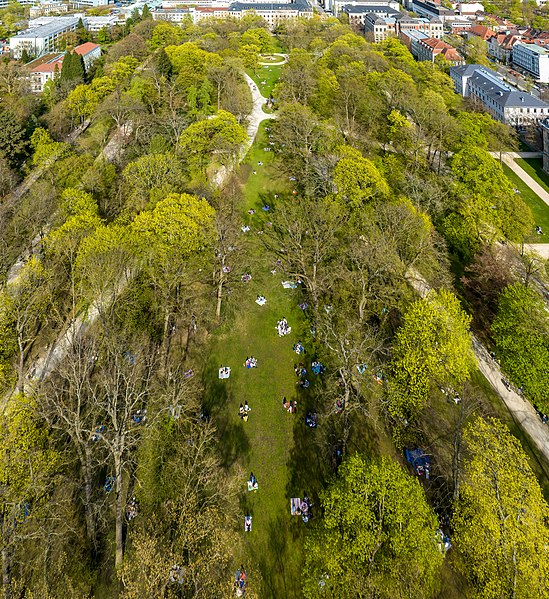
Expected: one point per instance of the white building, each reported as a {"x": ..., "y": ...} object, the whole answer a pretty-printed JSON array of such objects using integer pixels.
[
  {"x": 89, "y": 3},
  {"x": 273, "y": 12},
  {"x": 4, "y": 3},
  {"x": 336, "y": 6},
  {"x": 503, "y": 102},
  {"x": 532, "y": 58},
  {"x": 43, "y": 39},
  {"x": 98, "y": 23},
  {"x": 47, "y": 67},
  {"x": 48, "y": 7}
]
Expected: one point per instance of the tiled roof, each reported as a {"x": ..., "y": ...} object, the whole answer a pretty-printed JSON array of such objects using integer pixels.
[{"x": 86, "y": 48}]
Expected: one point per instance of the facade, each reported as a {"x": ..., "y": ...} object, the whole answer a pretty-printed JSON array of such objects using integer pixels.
[
  {"x": 429, "y": 48},
  {"x": 532, "y": 58},
  {"x": 431, "y": 26},
  {"x": 424, "y": 8},
  {"x": 4, "y": 3},
  {"x": 357, "y": 13},
  {"x": 500, "y": 46},
  {"x": 544, "y": 126},
  {"x": 89, "y": 3},
  {"x": 43, "y": 39},
  {"x": 383, "y": 24},
  {"x": 174, "y": 15},
  {"x": 50, "y": 7},
  {"x": 47, "y": 67},
  {"x": 379, "y": 28},
  {"x": 274, "y": 12},
  {"x": 499, "y": 99},
  {"x": 336, "y": 6},
  {"x": 42, "y": 69},
  {"x": 89, "y": 52},
  {"x": 98, "y": 23},
  {"x": 411, "y": 40}
]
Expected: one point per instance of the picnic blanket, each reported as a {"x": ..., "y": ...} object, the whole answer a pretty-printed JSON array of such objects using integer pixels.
[{"x": 295, "y": 506}]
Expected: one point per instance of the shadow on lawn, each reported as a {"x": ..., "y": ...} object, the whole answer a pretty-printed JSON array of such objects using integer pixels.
[
  {"x": 217, "y": 401},
  {"x": 280, "y": 563}
]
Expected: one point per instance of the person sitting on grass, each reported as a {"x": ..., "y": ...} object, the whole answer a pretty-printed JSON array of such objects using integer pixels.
[
  {"x": 247, "y": 407},
  {"x": 241, "y": 411},
  {"x": 286, "y": 404}
]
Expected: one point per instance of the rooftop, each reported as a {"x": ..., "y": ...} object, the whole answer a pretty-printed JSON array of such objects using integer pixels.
[
  {"x": 368, "y": 8},
  {"x": 270, "y": 6},
  {"x": 86, "y": 48},
  {"x": 532, "y": 48},
  {"x": 46, "y": 30}
]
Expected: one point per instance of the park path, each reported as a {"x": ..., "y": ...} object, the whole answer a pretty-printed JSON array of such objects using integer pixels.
[
  {"x": 509, "y": 159},
  {"x": 257, "y": 116},
  {"x": 521, "y": 410},
  {"x": 50, "y": 359}
]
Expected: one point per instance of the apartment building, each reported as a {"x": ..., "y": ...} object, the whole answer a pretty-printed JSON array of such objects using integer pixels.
[
  {"x": 357, "y": 13},
  {"x": 273, "y": 12},
  {"x": 336, "y": 6},
  {"x": 47, "y": 67},
  {"x": 533, "y": 59},
  {"x": 50, "y": 7},
  {"x": 381, "y": 25},
  {"x": 43, "y": 39},
  {"x": 503, "y": 102},
  {"x": 429, "y": 48},
  {"x": 500, "y": 46}
]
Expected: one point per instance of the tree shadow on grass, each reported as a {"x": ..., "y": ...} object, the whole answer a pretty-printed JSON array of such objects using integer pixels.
[
  {"x": 280, "y": 563},
  {"x": 234, "y": 443}
]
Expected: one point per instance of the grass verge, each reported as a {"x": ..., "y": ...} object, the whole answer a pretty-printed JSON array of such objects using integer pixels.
[
  {"x": 539, "y": 209},
  {"x": 534, "y": 167}
]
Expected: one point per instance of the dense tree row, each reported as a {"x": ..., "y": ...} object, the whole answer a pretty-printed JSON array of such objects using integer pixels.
[{"x": 128, "y": 246}]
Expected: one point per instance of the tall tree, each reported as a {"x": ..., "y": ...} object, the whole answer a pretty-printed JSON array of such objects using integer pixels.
[
  {"x": 501, "y": 519},
  {"x": 376, "y": 537},
  {"x": 433, "y": 345},
  {"x": 521, "y": 333}
]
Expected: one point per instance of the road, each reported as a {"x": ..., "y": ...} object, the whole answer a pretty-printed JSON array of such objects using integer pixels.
[
  {"x": 518, "y": 82},
  {"x": 522, "y": 410}
]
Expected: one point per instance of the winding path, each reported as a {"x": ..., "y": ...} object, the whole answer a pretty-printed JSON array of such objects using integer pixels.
[{"x": 521, "y": 410}]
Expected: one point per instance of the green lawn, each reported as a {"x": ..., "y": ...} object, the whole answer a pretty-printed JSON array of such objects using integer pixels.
[
  {"x": 269, "y": 74},
  {"x": 540, "y": 210},
  {"x": 273, "y": 444},
  {"x": 533, "y": 166}
]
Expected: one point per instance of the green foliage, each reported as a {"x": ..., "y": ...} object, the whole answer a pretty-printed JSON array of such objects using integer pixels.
[
  {"x": 357, "y": 179},
  {"x": 46, "y": 150},
  {"x": 163, "y": 63},
  {"x": 376, "y": 538},
  {"x": 488, "y": 203},
  {"x": 432, "y": 346},
  {"x": 220, "y": 135},
  {"x": 501, "y": 519},
  {"x": 180, "y": 223},
  {"x": 166, "y": 34},
  {"x": 73, "y": 70},
  {"x": 13, "y": 141},
  {"x": 521, "y": 333},
  {"x": 152, "y": 177}
]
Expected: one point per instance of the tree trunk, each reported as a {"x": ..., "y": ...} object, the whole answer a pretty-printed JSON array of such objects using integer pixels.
[
  {"x": 219, "y": 299},
  {"x": 119, "y": 514},
  {"x": 21, "y": 367},
  {"x": 6, "y": 572},
  {"x": 88, "y": 490}
]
